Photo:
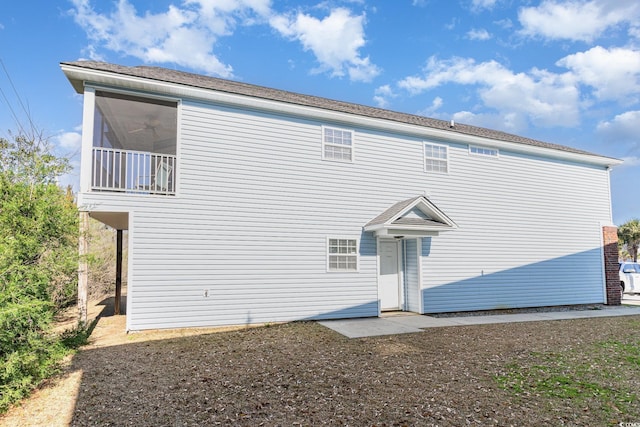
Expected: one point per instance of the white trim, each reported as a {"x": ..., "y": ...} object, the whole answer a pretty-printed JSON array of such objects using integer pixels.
[
  {"x": 177, "y": 175},
  {"x": 605, "y": 297},
  {"x": 608, "y": 171},
  {"x": 131, "y": 92},
  {"x": 420, "y": 271},
  {"x": 87, "y": 132},
  {"x": 399, "y": 275},
  {"x": 378, "y": 265},
  {"x": 77, "y": 74},
  {"x": 130, "y": 267},
  {"x": 482, "y": 154},
  {"x": 403, "y": 284},
  {"x": 328, "y": 255},
  {"x": 389, "y": 229},
  {"x": 402, "y": 302},
  {"x": 424, "y": 157},
  {"x": 86, "y": 163}
]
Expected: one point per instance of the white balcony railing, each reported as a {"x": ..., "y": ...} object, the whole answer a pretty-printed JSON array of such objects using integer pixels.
[{"x": 131, "y": 171}]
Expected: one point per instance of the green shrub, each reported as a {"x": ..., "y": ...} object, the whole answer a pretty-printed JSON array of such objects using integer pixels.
[{"x": 38, "y": 264}]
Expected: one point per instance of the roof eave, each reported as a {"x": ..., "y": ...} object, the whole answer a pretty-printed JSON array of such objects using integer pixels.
[
  {"x": 81, "y": 76},
  {"x": 442, "y": 227},
  {"x": 406, "y": 231}
]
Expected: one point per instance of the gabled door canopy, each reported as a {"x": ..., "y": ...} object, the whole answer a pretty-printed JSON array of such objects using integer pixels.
[{"x": 416, "y": 217}]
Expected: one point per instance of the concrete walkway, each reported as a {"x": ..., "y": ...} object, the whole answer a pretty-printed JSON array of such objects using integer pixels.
[{"x": 407, "y": 323}]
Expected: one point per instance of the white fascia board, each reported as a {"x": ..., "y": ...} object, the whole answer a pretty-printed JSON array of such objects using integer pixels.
[
  {"x": 426, "y": 207},
  {"x": 397, "y": 232},
  {"x": 78, "y": 74},
  {"x": 432, "y": 210},
  {"x": 382, "y": 230},
  {"x": 374, "y": 227}
]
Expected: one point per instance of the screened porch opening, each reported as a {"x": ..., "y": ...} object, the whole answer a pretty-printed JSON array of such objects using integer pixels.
[{"x": 134, "y": 144}]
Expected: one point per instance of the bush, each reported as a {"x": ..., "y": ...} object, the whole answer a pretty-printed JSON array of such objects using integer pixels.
[
  {"x": 28, "y": 353},
  {"x": 38, "y": 264}
]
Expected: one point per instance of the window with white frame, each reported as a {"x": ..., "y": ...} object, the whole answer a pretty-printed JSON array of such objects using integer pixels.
[
  {"x": 436, "y": 158},
  {"x": 483, "y": 151},
  {"x": 337, "y": 144},
  {"x": 342, "y": 254}
]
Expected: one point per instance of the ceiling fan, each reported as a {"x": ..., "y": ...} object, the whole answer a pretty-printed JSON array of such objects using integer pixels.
[{"x": 149, "y": 125}]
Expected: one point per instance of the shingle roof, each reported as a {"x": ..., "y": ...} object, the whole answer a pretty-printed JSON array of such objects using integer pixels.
[
  {"x": 393, "y": 218},
  {"x": 391, "y": 212},
  {"x": 234, "y": 87}
]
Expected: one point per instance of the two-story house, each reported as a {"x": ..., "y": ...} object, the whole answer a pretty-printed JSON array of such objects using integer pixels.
[{"x": 246, "y": 204}]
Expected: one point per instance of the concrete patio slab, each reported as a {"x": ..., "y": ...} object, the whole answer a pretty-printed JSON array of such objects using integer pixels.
[
  {"x": 421, "y": 322},
  {"x": 368, "y": 327},
  {"x": 404, "y": 323}
]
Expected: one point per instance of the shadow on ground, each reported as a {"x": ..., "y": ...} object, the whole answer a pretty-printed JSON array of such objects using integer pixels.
[{"x": 303, "y": 373}]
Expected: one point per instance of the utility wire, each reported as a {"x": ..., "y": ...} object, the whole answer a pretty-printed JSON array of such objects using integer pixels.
[
  {"x": 19, "y": 101},
  {"x": 13, "y": 113}
]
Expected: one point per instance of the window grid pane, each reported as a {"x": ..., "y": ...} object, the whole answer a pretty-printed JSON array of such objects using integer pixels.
[
  {"x": 343, "y": 255},
  {"x": 436, "y": 159},
  {"x": 492, "y": 152},
  {"x": 337, "y": 152},
  {"x": 337, "y": 144}
]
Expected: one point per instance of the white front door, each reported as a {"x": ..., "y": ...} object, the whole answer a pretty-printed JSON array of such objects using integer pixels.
[{"x": 389, "y": 281}]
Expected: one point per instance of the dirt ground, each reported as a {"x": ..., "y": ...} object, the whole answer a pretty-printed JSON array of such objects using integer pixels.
[{"x": 304, "y": 374}]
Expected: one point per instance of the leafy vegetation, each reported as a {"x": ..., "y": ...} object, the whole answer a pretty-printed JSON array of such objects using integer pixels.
[
  {"x": 38, "y": 263},
  {"x": 629, "y": 239}
]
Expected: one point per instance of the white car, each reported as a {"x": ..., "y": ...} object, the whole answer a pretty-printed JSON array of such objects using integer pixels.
[{"x": 630, "y": 277}]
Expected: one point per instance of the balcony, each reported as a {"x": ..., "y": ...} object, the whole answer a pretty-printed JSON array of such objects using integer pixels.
[{"x": 129, "y": 171}]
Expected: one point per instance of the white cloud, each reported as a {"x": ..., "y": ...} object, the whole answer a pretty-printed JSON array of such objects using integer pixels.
[
  {"x": 613, "y": 73},
  {"x": 431, "y": 111},
  {"x": 630, "y": 161},
  {"x": 92, "y": 53},
  {"x": 187, "y": 34},
  {"x": 184, "y": 36},
  {"x": 452, "y": 24},
  {"x": 335, "y": 41},
  {"x": 483, "y": 4},
  {"x": 222, "y": 16},
  {"x": 504, "y": 23},
  {"x": 69, "y": 140},
  {"x": 68, "y": 144},
  {"x": 544, "y": 98},
  {"x": 576, "y": 19},
  {"x": 480, "y": 34},
  {"x": 623, "y": 128},
  {"x": 436, "y": 104},
  {"x": 506, "y": 121},
  {"x": 382, "y": 95}
]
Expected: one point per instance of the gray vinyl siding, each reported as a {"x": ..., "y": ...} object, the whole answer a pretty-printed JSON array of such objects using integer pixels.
[
  {"x": 530, "y": 235},
  {"x": 411, "y": 275},
  {"x": 256, "y": 203}
]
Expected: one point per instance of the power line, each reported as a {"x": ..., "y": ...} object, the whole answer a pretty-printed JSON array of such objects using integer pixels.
[
  {"x": 15, "y": 91},
  {"x": 13, "y": 113}
]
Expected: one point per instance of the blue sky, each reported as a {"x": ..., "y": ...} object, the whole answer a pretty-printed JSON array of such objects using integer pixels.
[{"x": 566, "y": 72}]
